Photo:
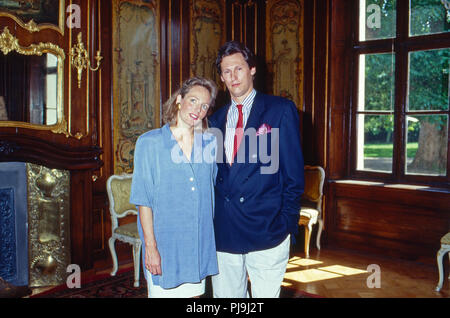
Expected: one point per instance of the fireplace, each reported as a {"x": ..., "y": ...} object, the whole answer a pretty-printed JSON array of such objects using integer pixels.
[
  {"x": 13, "y": 223},
  {"x": 34, "y": 224}
]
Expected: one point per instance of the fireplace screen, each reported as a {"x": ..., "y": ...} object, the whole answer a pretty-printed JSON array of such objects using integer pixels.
[
  {"x": 48, "y": 217},
  {"x": 34, "y": 224}
]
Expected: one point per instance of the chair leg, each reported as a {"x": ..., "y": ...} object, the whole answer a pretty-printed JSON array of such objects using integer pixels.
[
  {"x": 307, "y": 238},
  {"x": 137, "y": 262},
  {"x": 319, "y": 233},
  {"x": 439, "y": 259},
  {"x": 113, "y": 255}
]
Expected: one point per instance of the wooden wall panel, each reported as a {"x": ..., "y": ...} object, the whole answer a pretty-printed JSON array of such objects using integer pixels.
[
  {"x": 246, "y": 23},
  {"x": 102, "y": 115},
  {"x": 395, "y": 221},
  {"x": 175, "y": 22},
  {"x": 391, "y": 221}
]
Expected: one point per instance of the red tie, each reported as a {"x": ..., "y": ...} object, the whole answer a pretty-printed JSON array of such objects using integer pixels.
[{"x": 239, "y": 132}]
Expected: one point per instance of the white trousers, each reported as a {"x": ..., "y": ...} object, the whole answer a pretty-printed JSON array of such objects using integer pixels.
[
  {"x": 265, "y": 269},
  {"x": 186, "y": 290}
]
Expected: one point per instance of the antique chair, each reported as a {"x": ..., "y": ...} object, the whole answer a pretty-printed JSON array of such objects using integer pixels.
[
  {"x": 119, "y": 187},
  {"x": 311, "y": 209},
  {"x": 445, "y": 248}
]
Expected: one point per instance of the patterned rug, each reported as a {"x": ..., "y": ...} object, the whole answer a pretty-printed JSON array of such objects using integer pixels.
[
  {"x": 101, "y": 286},
  {"x": 121, "y": 286}
]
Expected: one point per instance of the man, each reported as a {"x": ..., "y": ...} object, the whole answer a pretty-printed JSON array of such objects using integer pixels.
[{"x": 258, "y": 184}]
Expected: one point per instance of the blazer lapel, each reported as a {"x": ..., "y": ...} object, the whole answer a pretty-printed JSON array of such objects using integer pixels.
[{"x": 253, "y": 121}]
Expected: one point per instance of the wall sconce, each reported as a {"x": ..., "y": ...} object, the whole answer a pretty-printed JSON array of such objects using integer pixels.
[{"x": 79, "y": 58}]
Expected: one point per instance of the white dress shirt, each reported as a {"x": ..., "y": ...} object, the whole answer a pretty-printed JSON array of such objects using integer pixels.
[{"x": 232, "y": 118}]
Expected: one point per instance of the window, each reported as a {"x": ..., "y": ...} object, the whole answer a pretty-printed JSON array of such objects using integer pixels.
[
  {"x": 400, "y": 109},
  {"x": 51, "y": 82}
]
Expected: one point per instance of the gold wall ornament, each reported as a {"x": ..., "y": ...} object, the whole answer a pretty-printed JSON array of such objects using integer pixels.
[
  {"x": 79, "y": 58},
  {"x": 39, "y": 20},
  {"x": 62, "y": 129},
  {"x": 31, "y": 26},
  {"x": 48, "y": 192},
  {"x": 9, "y": 42}
]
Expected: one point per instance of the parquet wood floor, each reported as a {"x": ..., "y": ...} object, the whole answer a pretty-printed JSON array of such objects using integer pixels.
[{"x": 338, "y": 273}]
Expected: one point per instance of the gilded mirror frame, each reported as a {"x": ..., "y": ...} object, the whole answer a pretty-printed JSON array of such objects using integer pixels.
[
  {"x": 32, "y": 26},
  {"x": 9, "y": 43}
]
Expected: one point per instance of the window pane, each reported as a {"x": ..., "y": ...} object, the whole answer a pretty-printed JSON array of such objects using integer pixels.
[
  {"x": 428, "y": 80},
  {"x": 426, "y": 144},
  {"x": 374, "y": 142},
  {"x": 377, "y": 19},
  {"x": 52, "y": 61},
  {"x": 429, "y": 17},
  {"x": 51, "y": 116},
  {"x": 376, "y": 82},
  {"x": 51, "y": 98}
]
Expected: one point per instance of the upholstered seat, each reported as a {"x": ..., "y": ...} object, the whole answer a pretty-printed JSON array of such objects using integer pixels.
[
  {"x": 445, "y": 248},
  {"x": 129, "y": 229},
  {"x": 119, "y": 188},
  {"x": 311, "y": 209},
  {"x": 310, "y": 213},
  {"x": 446, "y": 239}
]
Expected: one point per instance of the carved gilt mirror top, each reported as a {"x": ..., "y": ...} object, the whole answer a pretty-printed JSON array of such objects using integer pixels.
[
  {"x": 35, "y": 15},
  {"x": 31, "y": 84}
]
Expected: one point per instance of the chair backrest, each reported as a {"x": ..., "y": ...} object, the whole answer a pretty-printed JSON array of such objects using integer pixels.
[
  {"x": 314, "y": 180},
  {"x": 119, "y": 189}
]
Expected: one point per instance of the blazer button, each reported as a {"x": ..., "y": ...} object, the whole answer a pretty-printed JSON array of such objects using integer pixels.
[
  {"x": 241, "y": 199},
  {"x": 227, "y": 199}
]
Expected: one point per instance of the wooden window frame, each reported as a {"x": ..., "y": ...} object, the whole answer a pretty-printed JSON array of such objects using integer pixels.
[{"x": 400, "y": 46}]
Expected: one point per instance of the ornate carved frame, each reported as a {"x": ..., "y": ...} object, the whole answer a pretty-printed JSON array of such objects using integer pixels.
[
  {"x": 9, "y": 43},
  {"x": 31, "y": 26}
]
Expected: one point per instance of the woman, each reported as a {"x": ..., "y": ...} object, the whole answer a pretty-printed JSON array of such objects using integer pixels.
[{"x": 173, "y": 184}]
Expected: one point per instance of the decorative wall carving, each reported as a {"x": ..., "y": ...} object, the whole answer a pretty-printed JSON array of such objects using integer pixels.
[
  {"x": 35, "y": 15},
  {"x": 136, "y": 76},
  {"x": 207, "y": 35},
  {"x": 79, "y": 58},
  {"x": 10, "y": 43},
  {"x": 7, "y": 148},
  {"x": 285, "y": 48},
  {"x": 48, "y": 221}
]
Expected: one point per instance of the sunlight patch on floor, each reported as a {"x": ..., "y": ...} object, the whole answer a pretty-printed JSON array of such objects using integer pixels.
[
  {"x": 286, "y": 284},
  {"x": 297, "y": 261},
  {"x": 310, "y": 275},
  {"x": 342, "y": 270},
  {"x": 315, "y": 274}
]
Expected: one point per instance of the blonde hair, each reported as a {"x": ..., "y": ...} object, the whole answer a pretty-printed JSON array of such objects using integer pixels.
[{"x": 170, "y": 108}]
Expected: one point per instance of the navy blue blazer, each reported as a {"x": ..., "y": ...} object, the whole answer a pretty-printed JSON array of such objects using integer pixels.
[{"x": 255, "y": 210}]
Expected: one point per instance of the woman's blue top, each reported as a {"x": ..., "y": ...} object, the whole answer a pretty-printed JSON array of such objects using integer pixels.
[{"x": 181, "y": 195}]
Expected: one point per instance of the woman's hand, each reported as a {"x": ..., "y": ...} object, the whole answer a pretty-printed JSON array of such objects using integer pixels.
[
  {"x": 153, "y": 260},
  {"x": 152, "y": 257}
]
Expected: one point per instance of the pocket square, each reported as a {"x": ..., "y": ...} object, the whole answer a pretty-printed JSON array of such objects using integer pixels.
[{"x": 263, "y": 129}]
